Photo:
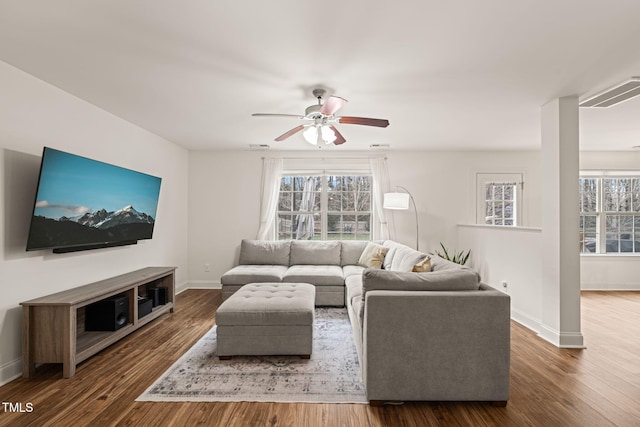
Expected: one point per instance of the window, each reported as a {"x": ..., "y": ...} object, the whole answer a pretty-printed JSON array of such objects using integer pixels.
[
  {"x": 324, "y": 207},
  {"x": 500, "y": 203},
  {"x": 589, "y": 214},
  {"x": 609, "y": 214},
  {"x": 498, "y": 197},
  {"x": 299, "y": 207}
]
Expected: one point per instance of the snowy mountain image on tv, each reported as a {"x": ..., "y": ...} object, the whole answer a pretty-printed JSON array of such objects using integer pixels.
[{"x": 80, "y": 201}]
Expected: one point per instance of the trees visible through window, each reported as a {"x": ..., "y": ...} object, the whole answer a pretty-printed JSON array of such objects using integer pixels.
[
  {"x": 299, "y": 207},
  {"x": 589, "y": 214},
  {"x": 500, "y": 203},
  {"x": 335, "y": 207},
  {"x": 499, "y": 198},
  {"x": 609, "y": 214}
]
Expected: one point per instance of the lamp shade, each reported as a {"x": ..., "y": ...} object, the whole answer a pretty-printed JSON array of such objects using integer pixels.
[
  {"x": 311, "y": 135},
  {"x": 325, "y": 132},
  {"x": 396, "y": 201},
  {"x": 328, "y": 135}
]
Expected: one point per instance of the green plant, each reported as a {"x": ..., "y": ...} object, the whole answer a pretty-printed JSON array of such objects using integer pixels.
[{"x": 458, "y": 257}]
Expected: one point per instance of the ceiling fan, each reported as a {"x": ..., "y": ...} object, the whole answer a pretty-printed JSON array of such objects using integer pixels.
[{"x": 321, "y": 118}]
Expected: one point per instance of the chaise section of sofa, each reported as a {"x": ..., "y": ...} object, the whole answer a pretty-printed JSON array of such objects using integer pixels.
[
  {"x": 436, "y": 345},
  {"x": 440, "y": 335}
]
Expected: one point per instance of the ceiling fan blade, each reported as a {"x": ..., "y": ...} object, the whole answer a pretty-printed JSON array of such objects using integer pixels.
[
  {"x": 339, "y": 138},
  {"x": 277, "y": 115},
  {"x": 331, "y": 105},
  {"x": 291, "y": 132},
  {"x": 383, "y": 123}
]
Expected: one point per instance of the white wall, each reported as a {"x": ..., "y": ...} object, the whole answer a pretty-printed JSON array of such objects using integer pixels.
[
  {"x": 224, "y": 208},
  {"x": 610, "y": 272},
  {"x": 444, "y": 187},
  {"x": 224, "y": 194},
  {"x": 512, "y": 255},
  {"x": 34, "y": 114}
]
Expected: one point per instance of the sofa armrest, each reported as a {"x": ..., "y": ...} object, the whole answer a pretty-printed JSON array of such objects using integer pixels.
[{"x": 442, "y": 346}]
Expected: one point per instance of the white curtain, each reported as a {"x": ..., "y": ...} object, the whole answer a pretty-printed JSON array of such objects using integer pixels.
[
  {"x": 271, "y": 176},
  {"x": 306, "y": 223},
  {"x": 381, "y": 185}
]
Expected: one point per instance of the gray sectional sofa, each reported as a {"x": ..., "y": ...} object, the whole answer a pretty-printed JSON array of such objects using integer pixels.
[{"x": 436, "y": 335}]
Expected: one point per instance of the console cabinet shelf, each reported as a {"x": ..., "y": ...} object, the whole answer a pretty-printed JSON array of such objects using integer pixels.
[{"x": 54, "y": 325}]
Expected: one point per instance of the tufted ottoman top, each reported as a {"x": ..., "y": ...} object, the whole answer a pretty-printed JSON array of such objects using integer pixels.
[{"x": 269, "y": 304}]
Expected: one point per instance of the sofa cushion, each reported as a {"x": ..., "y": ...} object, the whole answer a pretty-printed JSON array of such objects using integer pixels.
[
  {"x": 405, "y": 258},
  {"x": 319, "y": 275},
  {"x": 264, "y": 252},
  {"x": 351, "y": 251},
  {"x": 315, "y": 252},
  {"x": 358, "y": 317},
  {"x": 353, "y": 287},
  {"x": 450, "y": 280},
  {"x": 440, "y": 264},
  {"x": 354, "y": 295},
  {"x": 352, "y": 270},
  {"x": 243, "y": 274},
  {"x": 388, "y": 258},
  {"x": 372, "y": 256}
]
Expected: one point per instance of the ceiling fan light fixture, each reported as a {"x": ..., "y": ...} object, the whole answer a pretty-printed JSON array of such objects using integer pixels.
[
  {"x": 323, "y": 132},
  {"x": 323, "y": 119},
  {"x": 328, "y": 135},
  {"x": 311, "y": 135}
]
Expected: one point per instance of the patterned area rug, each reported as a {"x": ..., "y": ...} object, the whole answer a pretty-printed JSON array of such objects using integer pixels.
[{"x": 332, "y": 375}]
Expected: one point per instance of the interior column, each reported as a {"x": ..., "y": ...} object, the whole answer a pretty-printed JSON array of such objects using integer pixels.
[{"x": 560, "y": 323}]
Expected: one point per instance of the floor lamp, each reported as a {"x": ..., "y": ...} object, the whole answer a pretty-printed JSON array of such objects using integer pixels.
[{"x": 400, "y": 201}]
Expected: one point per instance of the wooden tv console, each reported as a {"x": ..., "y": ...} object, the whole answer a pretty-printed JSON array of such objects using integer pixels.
[{"x": 54, "y": 325}]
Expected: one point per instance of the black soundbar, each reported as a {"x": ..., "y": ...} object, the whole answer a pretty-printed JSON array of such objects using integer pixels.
[{"x": 67, "y": 249}]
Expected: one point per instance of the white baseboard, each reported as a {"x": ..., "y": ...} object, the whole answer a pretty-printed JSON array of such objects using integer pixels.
[
  {"x": 10, "y": 371},
  {"x": 198, "y": 284},
  {"x": 526, "y": 320},
  {"x": 561, "y": 339}
]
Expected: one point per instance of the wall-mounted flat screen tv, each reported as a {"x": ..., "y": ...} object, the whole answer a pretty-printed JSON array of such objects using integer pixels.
[{"x": 85, "y": 204}]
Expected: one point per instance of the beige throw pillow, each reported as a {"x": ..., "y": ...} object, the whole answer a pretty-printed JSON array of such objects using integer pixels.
[
  {"x": 373, "y": 255},
  {"x": 423, "y": 266}
]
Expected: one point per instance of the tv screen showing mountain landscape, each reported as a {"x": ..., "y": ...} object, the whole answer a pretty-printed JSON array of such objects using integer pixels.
[{"x": 83, "y": 202}]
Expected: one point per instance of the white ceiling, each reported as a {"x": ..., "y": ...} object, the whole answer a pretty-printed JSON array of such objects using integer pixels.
[{"x": 449, "y": 75}]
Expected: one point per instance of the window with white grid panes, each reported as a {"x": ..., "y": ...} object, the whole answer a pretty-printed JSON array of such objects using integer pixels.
[
  {"x": 609, "y": 214},
  {"x": 499, "y": 198},
  {"x": 324, "y": 207},
  {"x": 500, "y": 203},
  {"x": 348, "y": 207},
  {"x": 589, "y": 216}
]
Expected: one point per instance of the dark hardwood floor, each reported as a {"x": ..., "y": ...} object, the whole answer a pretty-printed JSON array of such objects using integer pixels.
[{"x": 599, "y": 386}]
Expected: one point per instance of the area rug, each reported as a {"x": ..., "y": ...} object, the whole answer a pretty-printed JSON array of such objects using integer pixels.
[{"x": 332, "y": 375}]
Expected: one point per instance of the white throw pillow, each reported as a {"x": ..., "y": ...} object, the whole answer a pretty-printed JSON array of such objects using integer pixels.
[{"x": 405, "y": 258}]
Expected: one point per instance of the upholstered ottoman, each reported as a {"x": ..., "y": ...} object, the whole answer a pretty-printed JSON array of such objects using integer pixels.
[{"x": 267, "y": 319}]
